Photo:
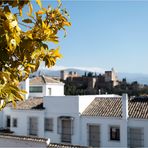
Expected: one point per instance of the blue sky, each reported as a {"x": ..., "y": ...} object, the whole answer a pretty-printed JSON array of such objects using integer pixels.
[{"x": 106, "y": 34}]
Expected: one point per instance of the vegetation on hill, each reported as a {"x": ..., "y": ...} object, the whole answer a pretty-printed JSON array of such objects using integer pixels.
[{"x": 132, "y": 89}]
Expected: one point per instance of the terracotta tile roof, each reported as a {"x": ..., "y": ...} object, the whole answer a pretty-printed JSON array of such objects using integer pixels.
[
  {"x": 29, "y": 104},
  {"x": 138, "y": 108},
  {"x": 105, "y": 107},
  {"x": 42, "y": 80},
  {"x": 112, "y": 107}
]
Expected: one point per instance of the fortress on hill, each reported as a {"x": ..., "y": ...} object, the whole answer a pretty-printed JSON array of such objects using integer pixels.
[{"x": 91, "y": 82}]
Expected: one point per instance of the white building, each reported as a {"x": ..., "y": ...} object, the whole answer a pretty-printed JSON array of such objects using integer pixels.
[
  {"x": 41, "y": 86},
  {"x": 97, "y": 120}
]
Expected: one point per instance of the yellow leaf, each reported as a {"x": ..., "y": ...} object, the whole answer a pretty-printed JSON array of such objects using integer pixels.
[
  {"x": 14, "y": 103},
  {"x": 23, "y": 50},
  {"x": 30, "y": 9},
  {"x": 30, "y": 36},
  {"x": 23, "y": 91},
  {"x": 12, "y": 45},
  {"x": 67, "y": 23},
  {"x": 40, "y": 12},
  {"x": 39, "y": 3},
  {"x": 20, "y": 11},
  {"x": 56, "y": 53},
  {"x": 2, "y": 104}
]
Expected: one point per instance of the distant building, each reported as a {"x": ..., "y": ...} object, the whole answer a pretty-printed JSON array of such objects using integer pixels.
[
  {"x": 111, "y": 76},
  {"x": 65, "y": 75},
  {"x": 91, "y": 83}
]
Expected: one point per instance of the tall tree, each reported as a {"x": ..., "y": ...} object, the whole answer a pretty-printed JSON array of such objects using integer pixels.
[{"x": 22, "y": 51}]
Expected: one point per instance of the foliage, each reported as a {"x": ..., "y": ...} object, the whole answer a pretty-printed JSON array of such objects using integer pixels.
[
  {"x": 90, "y": 74},
  {"x": 22, "y": 51},
  {"x": 81, "y": 88},
  {"x": 73, "y": 89}
]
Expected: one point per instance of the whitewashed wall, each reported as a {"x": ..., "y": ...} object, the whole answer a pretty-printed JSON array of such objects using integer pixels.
[
  {"x": 104, "y": 124},
  {"x": 62, "y": 106},
  {"x": 1, "y": 119},
  {"x": 56, "y": 89},
  {"x": 84, "y": 101},
  {"x": 22, "y": 117},
  {"x": 55, "y": 137}
]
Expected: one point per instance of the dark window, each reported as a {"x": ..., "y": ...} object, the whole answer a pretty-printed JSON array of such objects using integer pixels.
[
  {"x": 14, "y": 122},
  {"x": 115, "y": 133},
  {"x": 35, "y": 89},
  {"x": 48, "y": 124},
  {"x": 8, "y": 121}
]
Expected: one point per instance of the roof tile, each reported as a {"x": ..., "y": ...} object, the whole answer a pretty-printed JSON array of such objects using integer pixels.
[
  {"x": 112, "y": 107},
  {"x": 42, "y": 80},
  {"x": 35, "y": 103}
]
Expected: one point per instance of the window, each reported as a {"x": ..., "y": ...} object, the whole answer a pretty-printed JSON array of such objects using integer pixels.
[
  {"x": 48, "y": 124},
  {"x": 49, "y": 90},
  {"x": 114, "y": 133},
  {"x": 35, "y": 89},
  {"x": 14, "y": 122},
  {"x": 94, "y": 135},
  {"x": 33, "y": 126},
  {"x": 65, "y": 128},
  {"x": 66, "y": 131},
  {"x": 135, "y": 137},
  {"x": 8, "y": 121}
]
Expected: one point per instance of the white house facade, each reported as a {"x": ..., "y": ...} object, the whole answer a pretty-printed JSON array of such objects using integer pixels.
[
  {"x": 94, "y": 120},
  {"x": 41, "y": 86}
]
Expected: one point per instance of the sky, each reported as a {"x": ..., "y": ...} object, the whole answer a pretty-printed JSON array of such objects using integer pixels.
[{"x": 106, "y": 34}]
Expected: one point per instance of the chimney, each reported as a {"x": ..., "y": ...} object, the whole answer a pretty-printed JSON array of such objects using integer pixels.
[
  {"x": 125, "y": 106},
  {"x": 26, "y": 87}
]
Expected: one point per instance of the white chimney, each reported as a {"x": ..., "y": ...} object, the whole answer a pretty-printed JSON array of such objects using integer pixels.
[
  {"x": 125, "y": 106},
  {"x": 26, "y": 87}
]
